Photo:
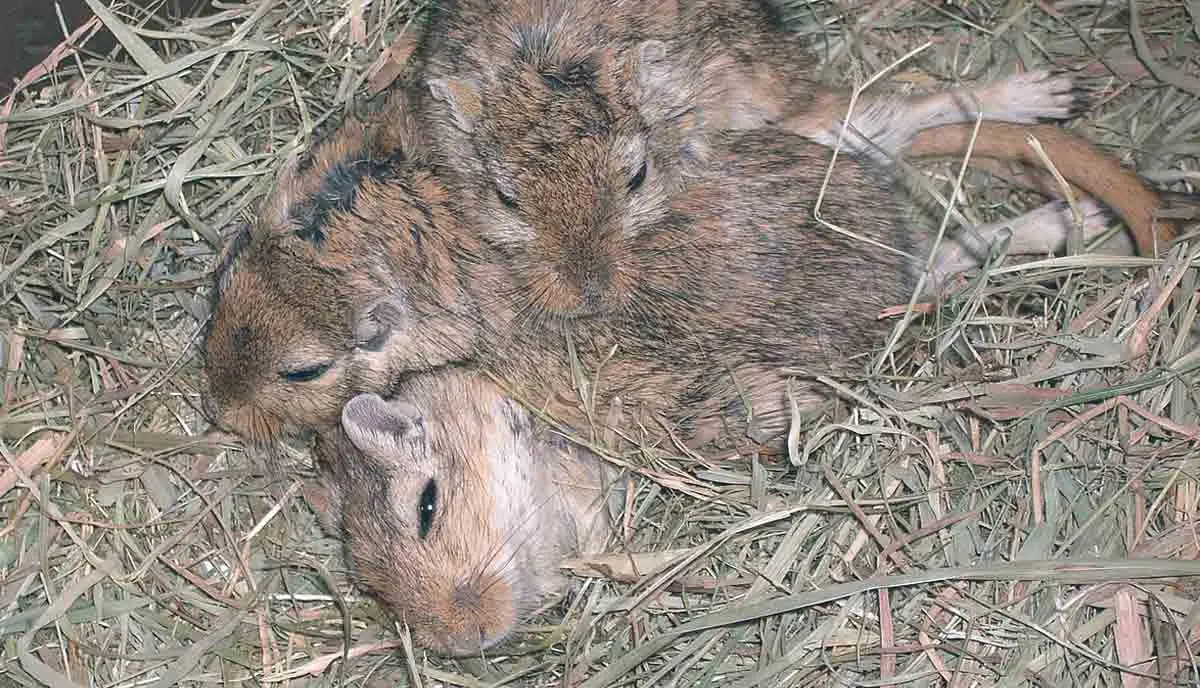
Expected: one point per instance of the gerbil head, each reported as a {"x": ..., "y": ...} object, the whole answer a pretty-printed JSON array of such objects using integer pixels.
[
  {"x": 322, "y": 297},
  {"x": 569, "y": 178},
  {"x": 456, "y": 509},
  {"x": 276, "y": 350}
]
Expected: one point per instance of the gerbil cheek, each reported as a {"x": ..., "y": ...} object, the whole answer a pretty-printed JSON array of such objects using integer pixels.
[
  {"x": 509, "y": 233},
  {"x": 645, "y": 209}
]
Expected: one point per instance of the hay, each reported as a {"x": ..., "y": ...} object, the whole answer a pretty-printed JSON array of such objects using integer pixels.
[{"x": 979, "y": 514}]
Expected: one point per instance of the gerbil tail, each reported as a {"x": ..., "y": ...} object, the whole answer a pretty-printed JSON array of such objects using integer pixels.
[{"x": 1077, "y": 160}]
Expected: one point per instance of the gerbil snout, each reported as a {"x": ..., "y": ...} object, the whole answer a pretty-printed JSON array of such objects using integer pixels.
[
  {"x": 481, "y": 614},
  {"x": 584, "y": 284},
  {"x": 585, "y": 269}
]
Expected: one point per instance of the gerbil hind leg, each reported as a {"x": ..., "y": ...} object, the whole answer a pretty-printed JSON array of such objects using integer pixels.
[
  {"x": 883, "y": 126},
  {"x": 1041, "y": 231}
]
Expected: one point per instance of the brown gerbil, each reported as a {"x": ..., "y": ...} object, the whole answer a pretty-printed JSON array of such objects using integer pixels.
[
  {"x": 735, "y": 282},
  {"x": 336, "y": 262},
  {"x": 457, "y": 507},
  {"x": 568, "y": 125}
]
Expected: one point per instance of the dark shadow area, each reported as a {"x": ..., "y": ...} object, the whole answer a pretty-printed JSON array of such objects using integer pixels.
[{"x": 29, "y": 30}]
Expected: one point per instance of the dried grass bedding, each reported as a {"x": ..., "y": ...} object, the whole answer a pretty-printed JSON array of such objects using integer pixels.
[{"x": 1009, "y": 498}]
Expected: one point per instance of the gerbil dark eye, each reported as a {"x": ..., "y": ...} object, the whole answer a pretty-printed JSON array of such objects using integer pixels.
[
  {"x": 636, "y": 182},
  {"x": 306, "y": 374},
  {"x": 507, "y": 200},
  {"x": 426, "y": 508}
]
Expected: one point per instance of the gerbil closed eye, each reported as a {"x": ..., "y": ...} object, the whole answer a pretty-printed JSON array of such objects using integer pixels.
[
  {"x": 417, "y": 235},
  {"x": 306, "y": 374},
  {"x": 426, "y": 508},
  {"x": 636, "y": 182},
  {"x": 508, "y": 200}
]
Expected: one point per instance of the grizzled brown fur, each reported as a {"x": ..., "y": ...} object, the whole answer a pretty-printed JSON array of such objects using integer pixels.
[
  {"x": 339, "y": 261},
  {"x": 565, "y": 126},
  {"x": 736, "y": 281}
]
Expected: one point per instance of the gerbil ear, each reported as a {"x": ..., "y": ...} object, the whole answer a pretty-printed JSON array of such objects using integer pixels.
[
  {"x": 278, "y": 202},
  {"x": 653, "y": 74},
  {"x": 377, "y": 427},
  {"x": 462, "y": 97},
  {"x": 652, "y": 69},
  {"x": 376, "y": 322},
  {"x": 652, "y": 52},
  {"x": 235, "y": 237}
]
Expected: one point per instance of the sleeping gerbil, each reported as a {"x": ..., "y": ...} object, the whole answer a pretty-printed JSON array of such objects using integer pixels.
[{"x": 567, "y": 126}]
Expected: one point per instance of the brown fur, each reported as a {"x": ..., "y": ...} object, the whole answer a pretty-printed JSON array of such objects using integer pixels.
[
  {"x": 507, "y": 502},
  {"x": 736, "y": 282},
  {"x": 285, "y": 305},
  {"x": 567, "y": 125}
]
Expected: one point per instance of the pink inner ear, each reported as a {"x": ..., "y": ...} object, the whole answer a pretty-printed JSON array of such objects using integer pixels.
[
  {"x": 364, "y": 416},
  {"x": 377, "y": 425},
  {"x": 317, "y": 497}
]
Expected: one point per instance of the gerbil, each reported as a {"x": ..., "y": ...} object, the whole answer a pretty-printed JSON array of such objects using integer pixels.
[
  {"x": 567, "y": 125},
  {"x": 457, "y": 507},
  {"x": 360, "y": 226},
  {"x": 336, "y": 262},
  {"x": 735, "y": 282}
]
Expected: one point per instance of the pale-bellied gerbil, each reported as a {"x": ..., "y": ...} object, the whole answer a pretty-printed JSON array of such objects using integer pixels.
[
  {"x": 457, "y": 507},
  {"x": 567, "y": 126},
  {"x": 736, "y": 282}
]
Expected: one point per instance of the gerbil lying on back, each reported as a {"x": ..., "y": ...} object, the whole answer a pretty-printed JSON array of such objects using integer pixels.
[
  {"x": 457, "y": 508},
  {"x": 568, "y": 125}
]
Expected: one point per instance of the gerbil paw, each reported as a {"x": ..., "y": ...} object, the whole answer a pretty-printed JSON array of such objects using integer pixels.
[
  {"x": 1045, "y": 229},
  {"x": 1034, "y": 96},
  {"x": 1094, "y": 217}
]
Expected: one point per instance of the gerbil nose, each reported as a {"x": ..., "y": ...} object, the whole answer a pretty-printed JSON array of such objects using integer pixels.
[
  {"x": 595, "y": 282},
  {"x": 467, "y": 595},
  {"x": 482, "y": 616}
]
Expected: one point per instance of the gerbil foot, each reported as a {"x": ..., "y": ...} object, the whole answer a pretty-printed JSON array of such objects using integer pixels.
[
  {"x": 1033, "y": 97},
  {"x": 1040, "y": 231},
  {"x": 1045, "y": 229}
]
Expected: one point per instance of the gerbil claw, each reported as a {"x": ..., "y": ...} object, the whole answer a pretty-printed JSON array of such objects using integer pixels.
[
  {"x": 1081, "y": 100},
  {"x": 1039, "y": 95}
]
